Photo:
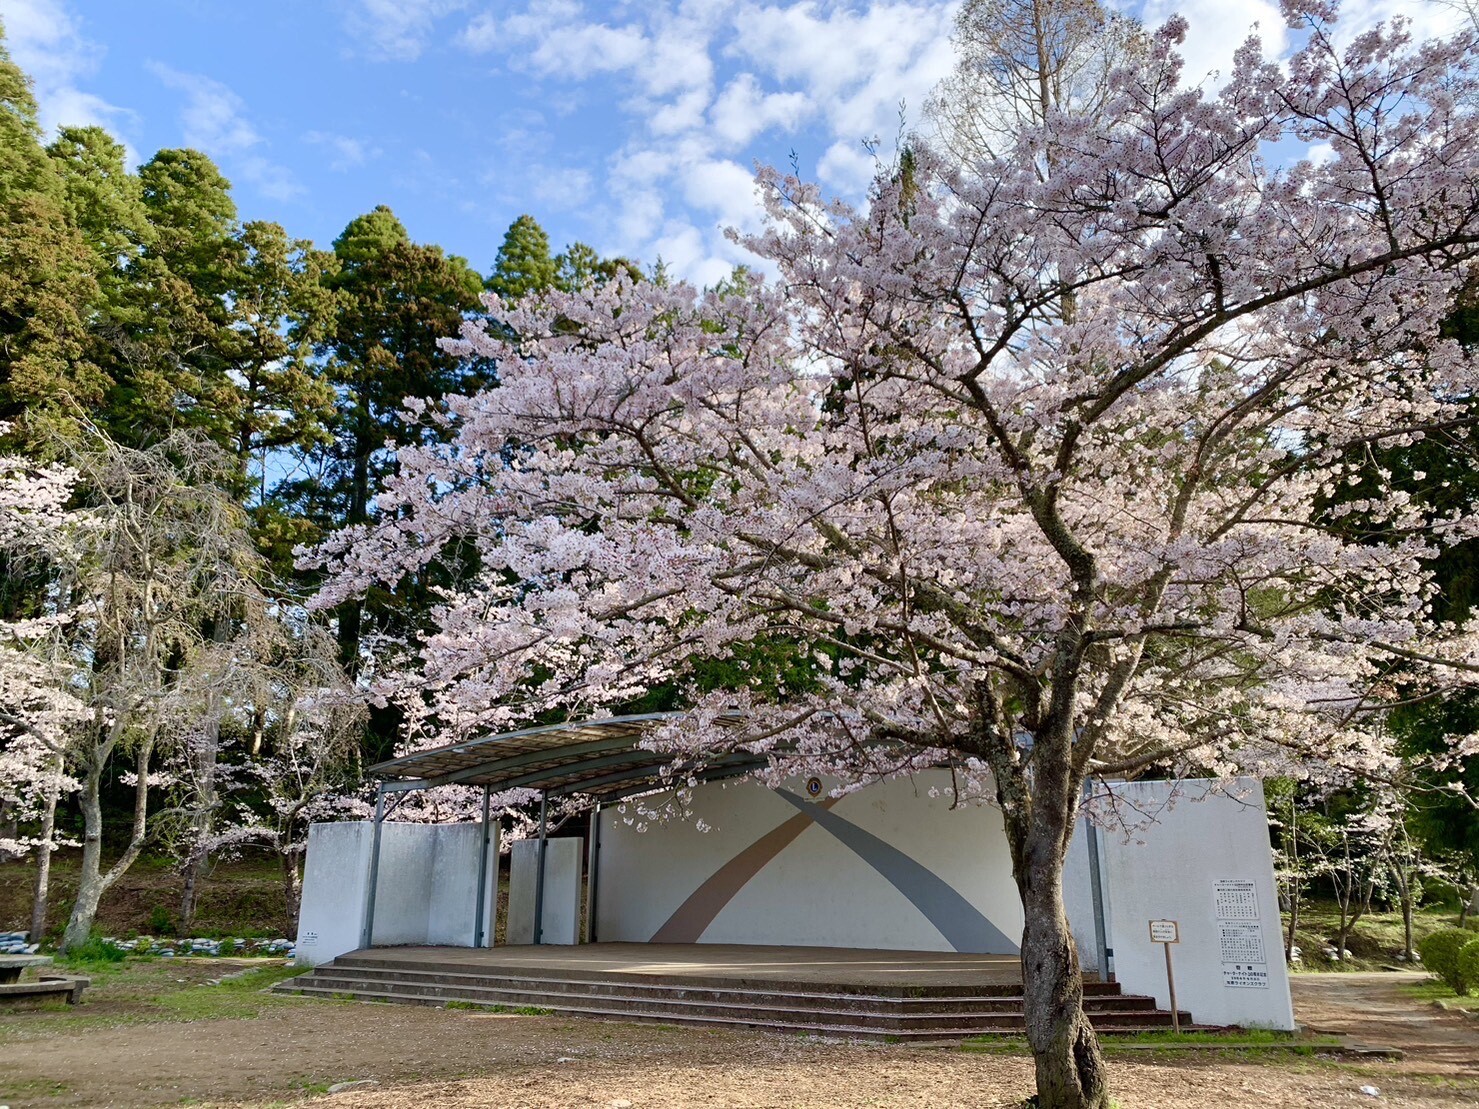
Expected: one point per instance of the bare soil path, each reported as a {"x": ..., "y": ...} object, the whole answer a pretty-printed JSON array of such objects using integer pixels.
[
  {"x": 293, "y": 1049},
  {"x": 1374, "y": 1008}
]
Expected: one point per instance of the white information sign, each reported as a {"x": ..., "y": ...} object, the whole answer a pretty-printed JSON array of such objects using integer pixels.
[
  {"x": 1240, "y": 934},
  {"x": 1241, "y": 943},
  {"x": 1235, "y": 899},
  {"x": 1164, "y": 931},
  {"x": 1245, "y": 976}
]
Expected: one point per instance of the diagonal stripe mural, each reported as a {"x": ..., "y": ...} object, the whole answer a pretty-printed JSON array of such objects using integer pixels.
[{"x": 962, "y": 925}]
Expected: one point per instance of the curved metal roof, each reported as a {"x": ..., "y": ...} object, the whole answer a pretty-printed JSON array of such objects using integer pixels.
[{"x": 597, "y": 757}]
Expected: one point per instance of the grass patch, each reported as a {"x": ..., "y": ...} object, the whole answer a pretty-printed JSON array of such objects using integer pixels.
[
  {"x": 95, "y": 954},
  {"x": 1434, "y": 990},
  {"x": 1245, "y": 1037},
  {"x": 1375, "y": 942},
  {"x": 1242, "y": 1040},
  {"x": 147, "y": 991},
  {"x": 35, "y": 1087},
  {"x": 233, "y": 999}
]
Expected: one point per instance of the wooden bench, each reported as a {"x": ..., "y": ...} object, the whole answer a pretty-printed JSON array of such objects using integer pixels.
[{"x": 46, "y": 986}]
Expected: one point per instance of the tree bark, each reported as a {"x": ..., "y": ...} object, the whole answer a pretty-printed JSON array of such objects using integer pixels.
[
  {"x": 1296, "y": 889},
  {"x": 1404, "y": 894},
  {"x": 93, "y": 881},
  {"x": 1471, "y": 906},
  {"x": 1070, "y": 1068},
  {"x": 292, "y": 884},
  {"x": 1071, "y": 1072},
  {"x": 41, "y": 890}
]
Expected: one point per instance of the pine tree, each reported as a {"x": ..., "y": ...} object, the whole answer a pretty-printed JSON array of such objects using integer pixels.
[
  {"x": 524, "y": 264},
  {"x": 46, "y": 279}
]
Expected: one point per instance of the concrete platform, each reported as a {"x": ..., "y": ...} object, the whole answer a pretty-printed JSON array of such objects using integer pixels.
[
  {"x": 892, "y": 995},
  {"x": 805, "y": 966}
]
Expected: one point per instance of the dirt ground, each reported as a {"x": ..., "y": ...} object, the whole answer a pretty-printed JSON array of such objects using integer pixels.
[{"x": 295, "y": 1048}]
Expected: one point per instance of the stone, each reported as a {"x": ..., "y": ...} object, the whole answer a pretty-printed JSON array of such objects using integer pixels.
[{"x": 357, "y": 1084}]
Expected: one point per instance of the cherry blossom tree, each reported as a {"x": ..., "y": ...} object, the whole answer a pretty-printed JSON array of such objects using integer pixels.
[
  {"x": 161, "y": 553},
  {"x": 1038, "y": 469},
  {"x": 38, "y": 709}
]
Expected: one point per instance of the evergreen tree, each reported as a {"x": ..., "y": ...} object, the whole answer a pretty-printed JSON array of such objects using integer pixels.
[
  {"x": 46, "y": 278},
  {"x": 395, "y": 301},
  {"x": 524, "y": 264}
]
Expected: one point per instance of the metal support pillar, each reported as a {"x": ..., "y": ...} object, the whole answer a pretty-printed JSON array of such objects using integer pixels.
[
  {"x": 368, "y": 932},
  {"x": 539, "y": 871},
  {"x": 1096, "y": 893},
  {"x": 592, "y": 873},
  {"x": 481, "y": 916}
]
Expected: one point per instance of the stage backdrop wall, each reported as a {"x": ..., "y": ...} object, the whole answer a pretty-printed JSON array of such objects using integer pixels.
[
  {"x": 426, "y": 893},
  {"x": 1197, "y": 854},
  {"x": 891, "y": 866}
]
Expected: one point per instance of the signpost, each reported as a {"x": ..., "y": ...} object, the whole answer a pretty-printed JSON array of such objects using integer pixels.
[{"x": 1165, "y": 933}]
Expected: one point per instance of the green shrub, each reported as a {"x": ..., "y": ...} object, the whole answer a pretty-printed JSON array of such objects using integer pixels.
[
  {"x": 228, "y": 947},
  {"x": 95, "y": 952},
  {"x": 161, "y": 923},
  {"x": 1440, "y": 952},
  {"x": 1468, "y": 963}
]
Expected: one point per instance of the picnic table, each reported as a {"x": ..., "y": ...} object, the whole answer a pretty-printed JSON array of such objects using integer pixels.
[
  {"x": 12, "y": 965},
  {"x": 46, "y": 985}
]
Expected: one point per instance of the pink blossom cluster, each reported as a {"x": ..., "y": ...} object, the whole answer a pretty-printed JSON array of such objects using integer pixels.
[{"x": 1035, "y": 460}]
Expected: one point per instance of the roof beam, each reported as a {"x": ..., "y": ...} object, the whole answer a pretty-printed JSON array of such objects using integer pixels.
[
  {"x": 383, "y": 768},
  {"x": 523, "y": 758}
]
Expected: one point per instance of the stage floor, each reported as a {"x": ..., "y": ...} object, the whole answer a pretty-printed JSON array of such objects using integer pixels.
[{"x": 709, "y": 962}]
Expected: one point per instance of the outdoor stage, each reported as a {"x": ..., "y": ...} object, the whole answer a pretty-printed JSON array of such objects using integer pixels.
[{"x": 911, "y": 995}]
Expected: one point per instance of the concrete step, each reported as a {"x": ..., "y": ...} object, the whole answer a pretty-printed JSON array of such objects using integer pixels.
[
  {"x": 587, "y": 987},
  {"x": 386, "y": 959},
  {"x": 885, "y": 1018},
  {"x": 838, "y": 1029}
]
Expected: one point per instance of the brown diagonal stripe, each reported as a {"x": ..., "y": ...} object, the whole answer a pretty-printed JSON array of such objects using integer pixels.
[{"x": 690, "y": 919}]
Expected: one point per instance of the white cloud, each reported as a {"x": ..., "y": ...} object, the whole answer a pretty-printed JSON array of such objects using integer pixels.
[
  {"x": 846, "y": 165},
  {"x": 213, "y": 119},
  {"x": 743, "y": 110},
  {"x": 845, "y": 67},
  {"x": 397, "y": 30},
  {"x": 1216, "y": 29},
  {"x": 46, "y": 40},
  {"x": 723, "y": 187},
  {"x": 856, "y": 65},
  {"x": 704, "y": 82},
  {"x": 346, "y": 153}
]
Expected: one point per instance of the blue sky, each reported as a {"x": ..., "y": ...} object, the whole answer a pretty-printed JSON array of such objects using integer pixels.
[{"x": 632, "y": 126}]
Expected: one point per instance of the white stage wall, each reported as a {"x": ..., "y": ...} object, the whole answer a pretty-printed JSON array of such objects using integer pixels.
[
  {"x": 426, "y": 893},
  {"x": 1205, "y": 863},
  {"x": 886, "y": 867},
  {"x": 560, "y": 912}
]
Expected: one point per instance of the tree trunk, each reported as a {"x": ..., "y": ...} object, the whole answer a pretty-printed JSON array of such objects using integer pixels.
[
  {"x": 193, "y": 868},
  {"x": 292, "y": 885},
  {"x": 1071, "y": 1073},
  {"x": 1471, "y": 906},
  {"x": 90, "y": 876},
  {"x": 1404, "y": 894},
  {"x": 41, "y": 890},
  {"x": 92, "y": 881},
  {"x": 1296, "y": 891},
  {"x": 1070, "y": 1068}
]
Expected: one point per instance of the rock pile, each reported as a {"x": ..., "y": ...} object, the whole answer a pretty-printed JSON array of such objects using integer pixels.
[
  {"x": 15, "y": 943},
  {"x": 202, "y": 946}
]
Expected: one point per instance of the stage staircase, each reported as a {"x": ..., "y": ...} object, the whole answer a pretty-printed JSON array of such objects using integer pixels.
[{"x": 879, "y": 1012}]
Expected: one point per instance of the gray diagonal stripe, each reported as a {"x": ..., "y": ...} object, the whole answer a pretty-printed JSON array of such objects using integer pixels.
[{"x": 960, "y": 922}]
